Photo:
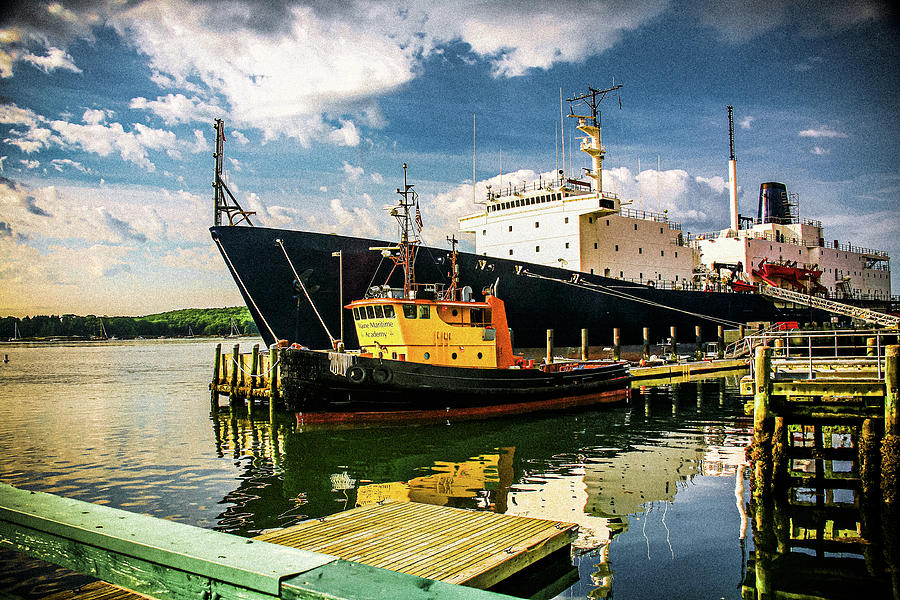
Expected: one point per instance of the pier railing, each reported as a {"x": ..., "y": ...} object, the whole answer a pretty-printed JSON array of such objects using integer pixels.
[{"x": 825, "y": 354}]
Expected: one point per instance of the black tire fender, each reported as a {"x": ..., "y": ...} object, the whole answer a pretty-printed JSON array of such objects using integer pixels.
[
  {"x": 356, "y": 374},
  {"x": 381, "y": 375}
]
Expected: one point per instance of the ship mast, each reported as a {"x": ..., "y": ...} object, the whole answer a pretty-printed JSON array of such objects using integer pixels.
[
  {"x": 590, "y": 125},
  {"x": 220, "y": 188},
  {"x": 409, "y": 240},
  {"x": 732, "y": 172}
]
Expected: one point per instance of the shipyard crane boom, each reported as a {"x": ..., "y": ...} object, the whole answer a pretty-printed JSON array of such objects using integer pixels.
[{"x": 869, "y": 316}]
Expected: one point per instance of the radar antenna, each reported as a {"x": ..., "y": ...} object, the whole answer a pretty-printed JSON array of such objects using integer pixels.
[{"x": 590, "y": 124}]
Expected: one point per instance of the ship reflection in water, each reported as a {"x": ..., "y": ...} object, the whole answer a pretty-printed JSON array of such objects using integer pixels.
[{"x": 655, "y": 487}]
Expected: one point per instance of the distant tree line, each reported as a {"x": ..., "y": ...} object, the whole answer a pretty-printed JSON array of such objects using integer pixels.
[{"x": 176, "y": 323}]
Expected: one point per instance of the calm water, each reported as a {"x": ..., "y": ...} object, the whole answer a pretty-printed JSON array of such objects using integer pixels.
[{"x": 653, "y": 485}]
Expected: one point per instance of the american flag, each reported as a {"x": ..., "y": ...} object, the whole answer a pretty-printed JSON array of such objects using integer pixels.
[{"x": 418, "y": 217}]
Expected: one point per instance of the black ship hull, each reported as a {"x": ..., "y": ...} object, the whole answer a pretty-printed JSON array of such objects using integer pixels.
[
  {"x": 544, "y": 297},
  {"x": 322, "y": 384}
]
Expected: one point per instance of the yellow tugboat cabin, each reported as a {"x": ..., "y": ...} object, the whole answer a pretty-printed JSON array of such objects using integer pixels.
[{"x": 453, "y": 333}]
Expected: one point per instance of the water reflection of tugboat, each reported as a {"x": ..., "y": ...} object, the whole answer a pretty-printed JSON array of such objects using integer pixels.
[{"x": 427, "y": 350}]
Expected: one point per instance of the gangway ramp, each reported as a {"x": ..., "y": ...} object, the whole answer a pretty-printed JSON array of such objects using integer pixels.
[{"x": 864, "y": 314}]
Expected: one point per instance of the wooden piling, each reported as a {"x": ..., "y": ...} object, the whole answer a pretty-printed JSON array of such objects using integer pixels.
[
  {"x": 871, "y": 349},
  {"x": 617, "y": 346},
  {"x": 646, "y": 345},
  {"x": 779, "y": 348},
  {"x": 254, "y": 365},
  {"x": 235, "y": 367},
  {"x": 549, "y": 358},
  {"x": 584, "y": 344},
  {"x": 214, "y": 392},
  {"x": 890, "y": 445},
  {"x": 273, "y": 382},
  {"x": 762, "y": 423},
  {"x": 698, "y": 339},
  {"x": 673, "y": 333},
  {"x": 720, "y": 345}
]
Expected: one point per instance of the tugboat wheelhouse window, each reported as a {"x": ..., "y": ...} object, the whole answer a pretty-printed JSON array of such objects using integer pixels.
[
  {"x": 409, "y": 311},
  {"x": 388, "y": 311},
  {"x": 424, "y": 312},
  {"x": 379, "y": 311},
  {"x": 370, "y": 311}
]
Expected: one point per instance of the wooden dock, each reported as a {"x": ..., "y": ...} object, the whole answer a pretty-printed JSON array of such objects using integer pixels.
[
  {"x": 825, "y": 466},
  {"x": 392, "y": 549},
  {"x": 686, "y": 370},
  {"x": 472, "y": 548}
]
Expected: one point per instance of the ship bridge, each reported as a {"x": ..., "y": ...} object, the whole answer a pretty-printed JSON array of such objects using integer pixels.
[{"x": 575, "y": 224}]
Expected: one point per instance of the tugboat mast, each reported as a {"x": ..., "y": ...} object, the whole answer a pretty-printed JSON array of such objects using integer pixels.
[
  {"x": 590, "y": 125},
  {"x": 409, "y": 240}
]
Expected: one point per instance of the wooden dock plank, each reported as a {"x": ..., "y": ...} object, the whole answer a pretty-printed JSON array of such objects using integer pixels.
[
  {"x": 98, "y": 590},
  {"x": 473, "y": 548}
]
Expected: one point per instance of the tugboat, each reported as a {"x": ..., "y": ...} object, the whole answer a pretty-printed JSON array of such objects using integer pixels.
[{"x": 430, "y": 350}]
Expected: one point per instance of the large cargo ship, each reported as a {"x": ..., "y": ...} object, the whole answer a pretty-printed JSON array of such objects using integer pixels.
[{"x": 570, "y": 254}]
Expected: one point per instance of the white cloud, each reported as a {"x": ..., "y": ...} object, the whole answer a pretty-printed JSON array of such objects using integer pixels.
[
  {"x": 61, "y": 164},
  {"x": 177, "y": 108},
  {"x": 353, "y": 173},
  {"x": 822, "y": 132},
  {"x": 747, "y": 122},
  {"x": 278, "y": 74},
  {"x": 820, "y": 151},
  {"x": 55, "y": 59},
  {"x": 94, "y": 135}
]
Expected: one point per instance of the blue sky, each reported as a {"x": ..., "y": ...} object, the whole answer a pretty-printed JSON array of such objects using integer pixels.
[{"x": 106, "y": 113}]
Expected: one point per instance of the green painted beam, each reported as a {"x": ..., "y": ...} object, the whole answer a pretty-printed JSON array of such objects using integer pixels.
[
  {"x": 170, "y": 561},
  {"x": 345, "y": 579},
  {"x": 255, "y": 565}
]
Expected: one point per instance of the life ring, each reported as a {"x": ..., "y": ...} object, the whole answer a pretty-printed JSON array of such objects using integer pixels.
[
  {"x": 356, "y": 374},
  {"x": 381, "y": 375}
]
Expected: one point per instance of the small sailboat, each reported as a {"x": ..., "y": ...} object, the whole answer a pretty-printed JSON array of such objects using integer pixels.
[
  {"x": 235, "y": 330},
  {"x": 101, "y": 334},
  {"x": 16, "y": 335}
]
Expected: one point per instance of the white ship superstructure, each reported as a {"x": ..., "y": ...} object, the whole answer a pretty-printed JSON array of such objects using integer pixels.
[
  {"x": 844, "y": 269},
  {"x": 574, "y": 224},
  {"x": 779, "y": 248}
]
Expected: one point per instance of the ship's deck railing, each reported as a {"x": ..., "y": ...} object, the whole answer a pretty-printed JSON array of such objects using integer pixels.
[
  {"x": 820, "y": 354},
  {"x": 871, "y": 253},
  {"x": 647, "y": 215},
  {"x": 512, "y": 190}
]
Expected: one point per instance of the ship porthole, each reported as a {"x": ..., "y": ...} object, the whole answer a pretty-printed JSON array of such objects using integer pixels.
[
  {"x": 381, "y": 375},
  {"x": 427, "y": 356},
  {"x": 453, "y": 356},
  {"x": 356, "y": 374},
  {"x": 479, "y": 355}
]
